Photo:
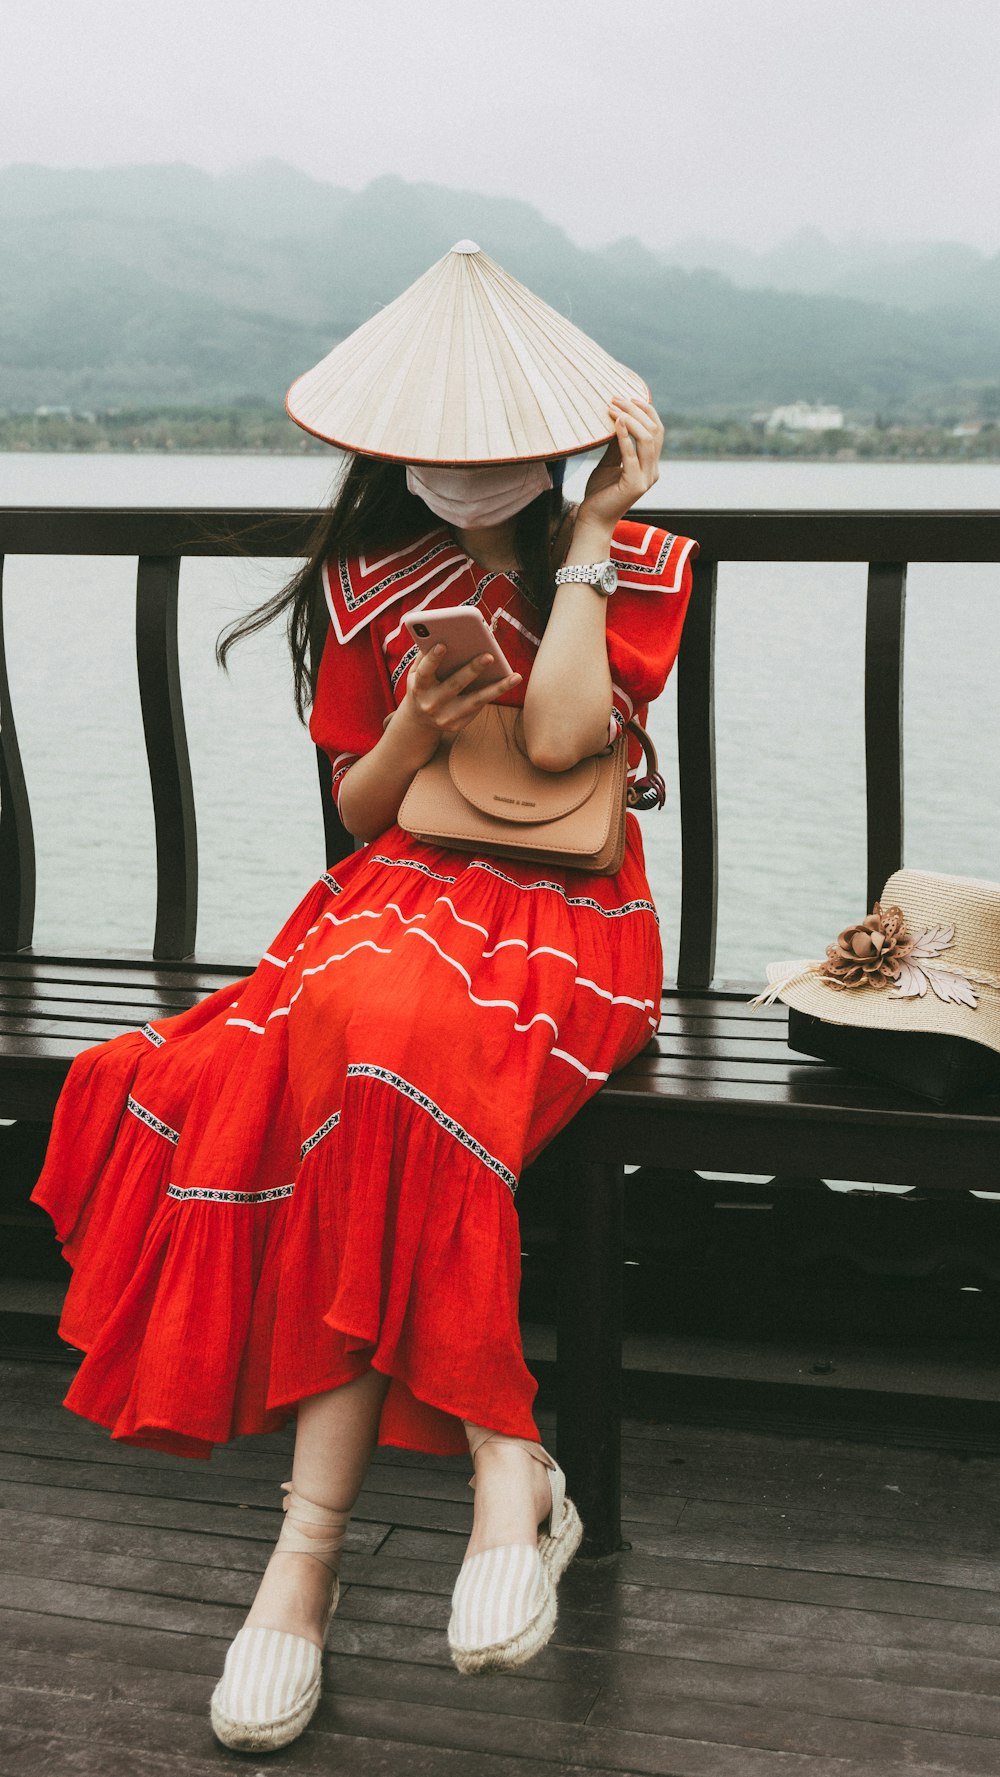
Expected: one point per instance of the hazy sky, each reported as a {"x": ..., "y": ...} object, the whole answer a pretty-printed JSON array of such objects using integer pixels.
[{"x": 664, "y": 118}]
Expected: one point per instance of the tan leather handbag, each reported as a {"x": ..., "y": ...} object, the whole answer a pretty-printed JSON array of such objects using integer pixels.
[{"x": 482, "y": 793}]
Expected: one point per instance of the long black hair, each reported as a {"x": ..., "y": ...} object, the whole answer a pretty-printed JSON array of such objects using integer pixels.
[{"x": 373, "y": 507}]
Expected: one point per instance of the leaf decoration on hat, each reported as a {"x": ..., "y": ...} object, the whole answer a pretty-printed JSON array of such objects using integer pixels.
[
  {"x": 933, "y": 941},
  {"x": 952, "y": 987},
  {"x": 917, "y": 971},
  {"x": 912, "y": 982}
]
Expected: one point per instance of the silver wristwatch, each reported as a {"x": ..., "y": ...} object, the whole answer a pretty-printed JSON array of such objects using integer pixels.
[{"x": 601, "y": 575}]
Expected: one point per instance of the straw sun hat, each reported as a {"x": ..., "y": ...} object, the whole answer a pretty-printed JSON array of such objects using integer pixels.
[
  {"x": 927, "y": 959},
  {"x": 467, "y": 366}
]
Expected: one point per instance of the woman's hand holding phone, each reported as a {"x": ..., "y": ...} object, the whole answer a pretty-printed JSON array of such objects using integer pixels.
[
  {"x": 446, "y": 706},
  {"x": 431, "y": 714}
]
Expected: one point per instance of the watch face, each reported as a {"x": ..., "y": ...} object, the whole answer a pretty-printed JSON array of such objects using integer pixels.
[{"x": 609, "y": 577}]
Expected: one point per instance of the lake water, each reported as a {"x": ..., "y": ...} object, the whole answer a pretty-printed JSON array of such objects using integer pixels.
[{"x": 789, "y": 685}]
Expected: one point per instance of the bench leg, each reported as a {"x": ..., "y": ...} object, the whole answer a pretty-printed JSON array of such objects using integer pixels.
[{"x": 589, "y": 1348}]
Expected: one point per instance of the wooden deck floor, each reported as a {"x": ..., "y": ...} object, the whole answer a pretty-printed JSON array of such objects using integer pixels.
[{"x": 789, "y": 1607}]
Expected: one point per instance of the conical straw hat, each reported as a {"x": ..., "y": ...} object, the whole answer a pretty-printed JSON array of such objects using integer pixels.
[
  {"x": 950, "y": 982},
  {"x": 467, "y": 366}
]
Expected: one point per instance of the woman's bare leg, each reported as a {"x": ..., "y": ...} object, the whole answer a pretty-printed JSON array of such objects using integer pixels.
[{"x": 334, "y": 1438}]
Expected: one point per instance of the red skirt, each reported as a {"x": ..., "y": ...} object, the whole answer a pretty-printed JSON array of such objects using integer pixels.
[{"x": 314, "y": 1170}]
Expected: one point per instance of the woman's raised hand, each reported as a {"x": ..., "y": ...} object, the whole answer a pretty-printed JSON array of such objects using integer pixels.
[
  {"x": 446, "y": 706},
  {"x": 629, "y": 466}
]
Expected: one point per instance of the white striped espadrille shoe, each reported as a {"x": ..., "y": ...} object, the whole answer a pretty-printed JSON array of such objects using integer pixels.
[
  {"x": 270, "y": 1683},
  {"x": 503, "y": 1608}
]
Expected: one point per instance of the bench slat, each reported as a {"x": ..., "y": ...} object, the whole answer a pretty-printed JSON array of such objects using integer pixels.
[
  {"x": 722, "y": 1005},
  {"x": 685, "y": 1067},
  {"x": 17, "y": 1033},
  {"x": 770, "y": 1050},
  {"x": 90, "y": 969},
  {"x": 132, "y": 1004},
  {"x": 821, "y": 1091},
  {"x": 676, "y": 1078}
]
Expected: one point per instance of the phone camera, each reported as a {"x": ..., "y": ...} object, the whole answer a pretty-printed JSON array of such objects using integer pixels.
[{"x": 421, "y": 629}]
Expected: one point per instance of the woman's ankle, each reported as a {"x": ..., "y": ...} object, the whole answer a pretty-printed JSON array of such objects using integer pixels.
[
  {"x": 513, "y": 1496},
  {"x": 293, "y": 1595}
]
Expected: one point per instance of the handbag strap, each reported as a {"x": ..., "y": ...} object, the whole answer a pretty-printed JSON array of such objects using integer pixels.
[{"x": 649, "y": 791}]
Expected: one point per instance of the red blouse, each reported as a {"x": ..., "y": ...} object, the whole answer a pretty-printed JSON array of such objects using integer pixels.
[{"x": 365, "y": 662}]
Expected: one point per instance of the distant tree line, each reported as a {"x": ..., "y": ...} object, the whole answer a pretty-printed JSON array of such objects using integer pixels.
[{"x": 266, "y": 429}]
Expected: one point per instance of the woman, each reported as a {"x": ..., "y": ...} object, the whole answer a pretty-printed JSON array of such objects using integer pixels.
[{"x": 308, "y": 1203}]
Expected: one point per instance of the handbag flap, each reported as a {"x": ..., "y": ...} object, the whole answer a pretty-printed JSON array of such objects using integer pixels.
[{"x": 490, "y": 768}]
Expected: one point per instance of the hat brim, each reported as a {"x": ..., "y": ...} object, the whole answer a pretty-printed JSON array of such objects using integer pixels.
[
  {"x": 870, "y": 1008},
  {"x": 386, "y": 456}
]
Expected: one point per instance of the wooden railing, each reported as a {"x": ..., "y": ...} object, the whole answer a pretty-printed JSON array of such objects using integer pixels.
[{"x": 159, "y": 540}]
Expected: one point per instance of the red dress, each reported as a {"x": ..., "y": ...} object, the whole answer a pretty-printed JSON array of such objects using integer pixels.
[{"x": 314, "y": 1169}]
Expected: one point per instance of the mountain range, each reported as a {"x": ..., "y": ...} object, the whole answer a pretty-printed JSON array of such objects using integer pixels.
[
  {"x": 905, "y": 274},
  {"x": 166, "y": 285}
]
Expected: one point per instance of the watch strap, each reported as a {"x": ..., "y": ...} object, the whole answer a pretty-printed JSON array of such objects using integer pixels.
[{"x": 590, "y": 574}]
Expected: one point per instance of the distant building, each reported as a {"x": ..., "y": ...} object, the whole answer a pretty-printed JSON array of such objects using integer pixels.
[
  {"x": 65, "y": 413},
  {"x": 800, "y": 416},
  {"x": 967, "y": 429}
]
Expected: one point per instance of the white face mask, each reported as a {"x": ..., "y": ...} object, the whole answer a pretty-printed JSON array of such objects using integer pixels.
[{"x": 482, "y": 496}]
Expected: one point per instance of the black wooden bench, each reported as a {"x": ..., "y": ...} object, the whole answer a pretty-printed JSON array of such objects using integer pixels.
[{"x": 717, "y": 1090}]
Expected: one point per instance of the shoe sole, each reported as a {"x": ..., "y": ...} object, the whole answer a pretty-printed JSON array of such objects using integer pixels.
[
  {"x": 556, "y": 1553},
  {"x": 265, "y": 1736}
]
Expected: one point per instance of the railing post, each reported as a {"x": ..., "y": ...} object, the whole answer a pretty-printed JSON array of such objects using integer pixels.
[
  {"x": 167, "y": 754},
  {"x": 884, "y": 721},
  {"x": 17, "y": 844},
  {"x": 589, "y": 1345},
  {"x": 696, "y": 763}
]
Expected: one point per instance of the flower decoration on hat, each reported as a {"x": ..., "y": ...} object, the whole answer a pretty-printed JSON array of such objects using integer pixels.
[
  {"x": 879, "y": 952},
  {"x": 868, "y": 954}
]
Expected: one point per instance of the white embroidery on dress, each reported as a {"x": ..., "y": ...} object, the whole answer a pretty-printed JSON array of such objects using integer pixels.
[
  {"x": 649, "y": 570},
  {"x": 634, "y": 548},
  {"x": 153, "y": 1036},
  {"x": 587, "y": 1072},
  {"x": 514, "y": 624},
  {"x": 413, "y": 931},
  {"x": 283, "y": 1011},
  {"x": 356, "y": 600}
]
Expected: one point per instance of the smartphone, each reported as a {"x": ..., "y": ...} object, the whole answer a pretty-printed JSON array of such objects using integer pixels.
[{"x": 465, "y": 633}]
